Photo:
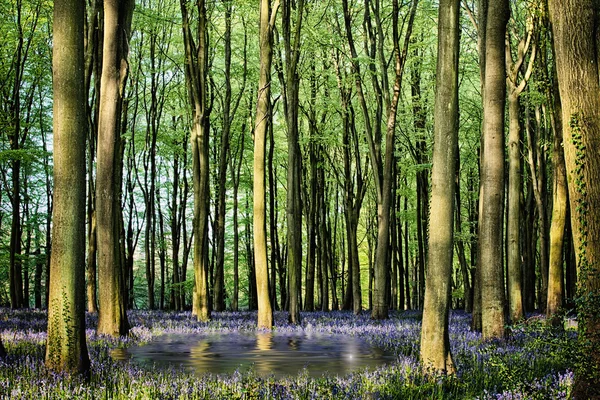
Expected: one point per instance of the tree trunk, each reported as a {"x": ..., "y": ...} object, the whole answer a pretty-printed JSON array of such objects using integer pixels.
[
  {"x": 267, "y": 19},
  {"x": 250, "y": 262},
  {"x": 576, "y": 43},
  {"x": 235, "y": 172},
  {"x": 460, "y": 243},
  {"x": 37, "y": 282},
  {"x": 66, "y": 348},
  {"x": 228, "y": 115},
  {"x": 384, "y": 192},
  {"x": 421, "y": 158},
  {"x": 514, "y": 253},
  {"x": 435, "y": 340},
  {"x": 515, "y": 290},
  {"x": 196, "y": 69},
  {"x": 490, "y": 232},
  {"x": 556, "y": 289},
  {"x": 112, "y": 317},
  {"x": 93, "y": 67},
  {"x": 294, "y": 171}
]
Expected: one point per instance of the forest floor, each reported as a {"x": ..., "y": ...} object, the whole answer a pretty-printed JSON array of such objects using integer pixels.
[{"x": 534, "y": 362}]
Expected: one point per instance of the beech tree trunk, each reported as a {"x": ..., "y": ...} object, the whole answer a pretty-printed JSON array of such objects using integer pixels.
[
  {"x": 435, "y": 340},
  {"x": 66, "y": 348},
  {"x": 117, "y": 24},
  {"x": 492, "y": 168},
  {"x": 560, "y": 199},
  {"x": 267, "y": 20},
  {"x": 576, "y": 42}
]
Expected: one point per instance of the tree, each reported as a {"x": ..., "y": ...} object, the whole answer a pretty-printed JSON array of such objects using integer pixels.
[
  {"x": 560, "y": 199},
  {"x": 196, "y": 72},
  {"x": 291, "y": 90},
  {"x": 492, "y": 173},
  {"x": 112, "y": 319},
  {"x": 262, "y": 120},
  {"x": 574, "y": 25},
  {"x": 381, "y": 165},
  {"x": 515, "y": 88},
  {"x": 435, "y": 341},
  {"x": 229, "y": 113},
  {"x": 93, "y": 66},
  {"x": 17, "y": 94},
  {"x": 66, "y": 348}
]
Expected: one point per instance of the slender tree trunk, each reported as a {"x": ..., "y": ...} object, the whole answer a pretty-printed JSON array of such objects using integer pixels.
[
  {"x": 235, "y": 171},
  {"x": 407, "y": 285},
  {"x": 528, "y": 245},
  {"x": 228, "y": 115},
  {"x": 515, "y": 299},
  {"x": 515, "y": 88},
  {"x": 176, "y": 280},
  {"x": 294, "y": 172},
  {"x": 421, "y": 158},
  {"x": 460, "y": 243},
  {"x": 66, "y": 348},
  {"x": 93, "y": 67},
  {"x": 39, "y": 269},
  {"x": 384, "y": 192},
  {"x": 560, "y": 198},
  {"x": 267, "y": 17},
  {"x": 435, "y": 340},
  {"x": 273, "y": 217},
  {"x": 309, "y": 297},
  {"x": 196, "y": 68},
  {"x": 250, "y": 261}
]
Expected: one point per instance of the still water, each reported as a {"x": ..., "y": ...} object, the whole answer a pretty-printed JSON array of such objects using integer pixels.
[{"x": 267, "y": 353}]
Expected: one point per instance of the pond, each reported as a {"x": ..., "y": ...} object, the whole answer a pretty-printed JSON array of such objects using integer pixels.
[{"x": 265, "y": 352}]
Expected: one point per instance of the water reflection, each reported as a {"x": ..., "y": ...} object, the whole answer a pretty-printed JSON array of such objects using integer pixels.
[{"x": 268, "y": 353}]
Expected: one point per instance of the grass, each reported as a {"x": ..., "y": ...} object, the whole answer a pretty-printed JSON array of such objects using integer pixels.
[{"x": 534, "y": 362}]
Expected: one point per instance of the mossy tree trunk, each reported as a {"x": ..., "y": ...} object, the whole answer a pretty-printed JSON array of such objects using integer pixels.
[
  {"x": 575, "y": 27},
  {"x": 560, "y": 205}
]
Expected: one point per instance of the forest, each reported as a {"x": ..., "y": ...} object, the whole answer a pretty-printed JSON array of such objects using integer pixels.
[{"x": 419, "y": 175}]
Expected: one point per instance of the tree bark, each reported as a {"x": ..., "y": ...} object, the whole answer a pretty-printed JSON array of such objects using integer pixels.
[
  {"x": 490, "y": 232},
  {"x": 267, "y": 17},
  {"x": 112, "y": 317},
  {"x": 435, "y": 340},
  {"x": 66, "y": 348},
  {"x": 576, "y": 43},
  {"x": 560, "y": 198}
]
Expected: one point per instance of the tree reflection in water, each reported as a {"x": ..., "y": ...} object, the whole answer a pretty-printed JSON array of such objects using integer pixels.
[{"x": 267, "y": 353}]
